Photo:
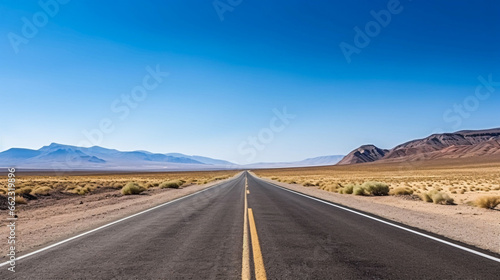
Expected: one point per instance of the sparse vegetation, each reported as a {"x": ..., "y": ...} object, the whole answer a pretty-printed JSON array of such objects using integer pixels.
[
  {"x": 438, "y": 197},
  {"x": 375, "y": 188},
  {"x": 367, "y": 188},
  {"x": 41, "y": 191},
  {"x": 53, "y": 186},
  {"x": 401, "y": 191},
  {"x": 20, "y": 200},
  {"x": 23, "y": 190},
  {"x": 175, "y": 184},
  {"x": 488, "y": 202},
  {"x": 132, "y": 188},
  {"x": 442, "y": 183},
  {"x": 348, "y": 189}
]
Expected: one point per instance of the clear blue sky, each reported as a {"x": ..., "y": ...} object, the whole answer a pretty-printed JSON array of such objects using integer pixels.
[{"x": 226, "y": 76}]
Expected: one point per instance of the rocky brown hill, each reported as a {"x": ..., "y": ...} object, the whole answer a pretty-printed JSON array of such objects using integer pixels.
[
  {"x": 365, "y": 153},
  {"x": 461, "y": 144}
]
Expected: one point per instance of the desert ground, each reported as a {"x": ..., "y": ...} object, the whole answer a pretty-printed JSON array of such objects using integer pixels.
[{"x": 456, "y": 198}]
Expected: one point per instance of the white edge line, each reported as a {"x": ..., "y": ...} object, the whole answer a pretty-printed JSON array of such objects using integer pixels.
[
  {"x": 112, "y": 223},
  {"x": 391, "y": 224}
]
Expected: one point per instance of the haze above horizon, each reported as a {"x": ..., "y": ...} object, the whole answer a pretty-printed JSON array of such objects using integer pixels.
[{"x": 252, "y": 82}]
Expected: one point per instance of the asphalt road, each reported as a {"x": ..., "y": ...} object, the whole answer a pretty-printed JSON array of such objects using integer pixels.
[{"x": 294, "y": 237}]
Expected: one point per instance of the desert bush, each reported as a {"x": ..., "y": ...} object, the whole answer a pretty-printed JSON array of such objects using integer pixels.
[
  {"x": 401, "y": 191},
  {"x": 20, "y": 200},
  {"x": 437, "y": 197},
  {"x": 174, "y": 184},
  {"x": 24, "y": 190},
  {"x": 440, "y": 198},
  {"x": 79, "y": 190},
  {"x": 488, "y": 202},
  {"x": 347, "y": 189},
  {"x": 70, "y": 188},
  {"x": 308, "y": 184},
  {"x": 358, "y": 190},
  {"x": 117, "y": 185},
  {"x": 132, "y": 188},
  {"x": 376, "y": 188},
  {"x": 41, "y": 191},
  {"x": 425, "y": 197},
  {"x": 329, "y": 188}
]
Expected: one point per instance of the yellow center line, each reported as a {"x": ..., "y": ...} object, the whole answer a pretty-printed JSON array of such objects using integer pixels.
[
  {"x": 260, "y": 271},
  {"x": 245, "y": 264}
]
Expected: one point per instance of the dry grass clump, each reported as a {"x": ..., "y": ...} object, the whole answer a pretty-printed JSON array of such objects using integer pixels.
[
  {"x": 375, "y": 188},
  {"x": 20, "y": 200},
  {"x": 41, "y": 191},
  {"x": 437, "y": 197},
  {"x": 401, "y": 191},
  {"x": 487, "y": 202},
  {"x": 173, "y": 184},
  {"x": 79, "y": 190},
  {"x": 367, "y": 188},
  {"x": 23, "y": 190},
  {"x": 347, "y": 189},
  {"x": 132, "y": 188}
]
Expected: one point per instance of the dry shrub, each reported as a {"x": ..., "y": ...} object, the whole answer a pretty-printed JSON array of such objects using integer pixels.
[
  {"x": 401, "y": 191},
  {"x": 358, "y": 190},
  {"x": 174, "y": 184},
  {"x": 132, "y": 188},
  {"x": 487, "y": 202},
  {"x": 437, "y": 197},
  {"x": 347, "y": 189},
  {"x": 78, "y": 190},
  {"x": 375, "y": 188},
  {"x": 20, "y": 200},
  {"x": 24, "y": 190},
  {"x": 425, "y": 197},
  {"x": 41, "y": 191}
]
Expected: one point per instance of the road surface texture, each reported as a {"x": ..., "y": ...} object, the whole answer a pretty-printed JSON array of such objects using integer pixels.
[{"x": 285, "y": 235}]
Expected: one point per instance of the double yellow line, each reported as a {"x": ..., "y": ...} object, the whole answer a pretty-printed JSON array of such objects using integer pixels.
[{"x": 258, "y": 261}]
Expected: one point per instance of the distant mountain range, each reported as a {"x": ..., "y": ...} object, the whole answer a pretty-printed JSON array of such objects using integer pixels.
[
  {"x": 460, "y": 144},
  {"x": 64, "y": 157},
  {"x": 58, "y": 156},
  {"x": 317, "y": 161}
]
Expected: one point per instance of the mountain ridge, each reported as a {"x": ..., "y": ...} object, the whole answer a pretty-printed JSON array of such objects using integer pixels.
[
  {"x": 67, "y": 157},
  {"x": 460, "y": 144}
]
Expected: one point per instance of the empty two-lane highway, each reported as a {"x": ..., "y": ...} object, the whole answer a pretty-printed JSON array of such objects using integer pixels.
[{"x": 247, "y": 227}]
